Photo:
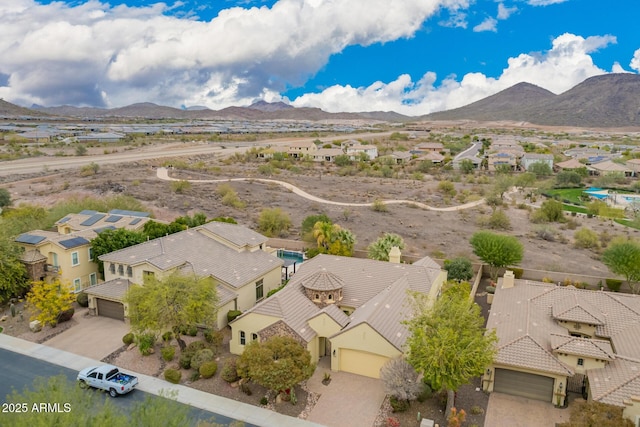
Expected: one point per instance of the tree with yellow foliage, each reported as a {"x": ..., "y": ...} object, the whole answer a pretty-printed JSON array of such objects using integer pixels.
[{"x": 48, "y": 300}]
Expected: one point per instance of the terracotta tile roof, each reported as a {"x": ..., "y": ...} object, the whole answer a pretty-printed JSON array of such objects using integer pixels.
[
  {"x": 574, "y": 309},
  {"x": 336, "y": 314},
  {"x": 32, "y": 256},
  {"x": 616, "y": 382},
  {"x": 113, "y": 289},
  {"x": 205, "y": 255},
  {"x": 597, "y": 349},
  {"x": 323, "y": 280},
  {"x": 234, "y": 233},
  {"x": 526, "y": 352}
]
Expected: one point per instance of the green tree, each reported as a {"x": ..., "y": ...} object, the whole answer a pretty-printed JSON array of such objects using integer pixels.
[
  {"x": 497, "y": 250},
  {"x": 306, "y": 229},
  {"x": 5, "y": 198},
  {"x": 466, "y": 166},
  {"x": 551, "y": 210},
  {"x": 343, "y": 160},
  {"x": 447, "y": 340},
  {"x": 274, "y": 222},
  {"x": 109, "y": 241},
  {"x": 525, "y": 180},
  {"x": 171, "y": 302},
  {"x": 596, "y": 414},
  {"x": 278, "y": 363},
  {"x": 324, "y": 232},
  {"x": 343, "y": 244},
  {"x": 540, "y": 169},
  {"x": 568, "y": 178},
  {"x": 48, "y": 299},
  {"x": 459, "y": 269},
  {"x": 379, "y": 250},
  {"x": 501, "y": 184},
  {"x": 623, "y": 258},
  {"x": 13, "y": 274}
]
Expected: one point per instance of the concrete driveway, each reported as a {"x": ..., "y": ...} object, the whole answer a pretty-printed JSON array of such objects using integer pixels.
[
  {"x": 348, "y": 401},
  {"x": 513, "y": 411},
  {"x": 94, "y": 336}
]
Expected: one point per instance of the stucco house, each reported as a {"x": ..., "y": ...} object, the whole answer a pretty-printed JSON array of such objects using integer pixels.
[
  {"x": 65, "y": 254},
  {"x": 348, "y": 309},
  {"x": 326, "y": 154},
  {"x": 301, "y": 149},
  {"x": 559, "y": 339},
  {"x": 354, "y": 151},
  {"x": 529, "y": 159},
  {"x": 236, "y": 258}
]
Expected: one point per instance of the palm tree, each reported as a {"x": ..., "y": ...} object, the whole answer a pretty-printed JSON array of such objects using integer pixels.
[
  {"x": 323, "y": 232},
  {"x": 379, "y": 250}
]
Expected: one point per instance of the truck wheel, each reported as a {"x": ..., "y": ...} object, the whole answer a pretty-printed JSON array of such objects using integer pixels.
[
  {"x": 112, "y": 392},
  {"x": 83, "y": 384}
]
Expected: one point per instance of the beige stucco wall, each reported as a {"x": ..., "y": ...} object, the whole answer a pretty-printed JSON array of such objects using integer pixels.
[
  {"x": 324, "y": 325},
  {"x": 487, "y": 381},
  {"x": 362, "y": 338},
  {"x": 583, "y": 328},
  {"x": 247, "y": 293},
  {"x": 250, "y": 324},
  {"x": 632, "y": 409},
  {"x": 572, "y": 360}
]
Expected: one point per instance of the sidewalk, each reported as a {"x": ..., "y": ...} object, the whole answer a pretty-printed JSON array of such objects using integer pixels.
[{"x": 209, "y": 402}]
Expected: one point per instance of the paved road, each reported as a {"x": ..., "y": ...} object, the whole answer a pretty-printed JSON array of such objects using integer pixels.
[
  {"x": 52, "y": 163},
  {"x": 24, "y": 371}
]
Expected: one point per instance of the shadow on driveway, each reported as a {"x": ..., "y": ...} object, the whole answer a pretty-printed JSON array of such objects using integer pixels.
[{"x": 514, "y": 411}]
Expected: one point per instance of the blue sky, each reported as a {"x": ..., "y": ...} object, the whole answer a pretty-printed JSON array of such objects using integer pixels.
[{"x": 409, "y": 56}]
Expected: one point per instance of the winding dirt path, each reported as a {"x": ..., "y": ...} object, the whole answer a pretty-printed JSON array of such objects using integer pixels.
[{"x": 163, "y": 173}]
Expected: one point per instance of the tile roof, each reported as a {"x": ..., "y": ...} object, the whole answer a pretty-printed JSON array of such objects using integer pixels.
[
  {"x": 616, "y": 382},
  {"x": 237, "y": 234},
  {"x": 323, "y": 280},
  {"x": 112, "y": 289},
  {"x": 89, "y": 219},
  {"x": 597, "y": 349},
  {"x": 32, "y": 256},
  {"x": 574, "y": 309},
  {"x": 206, "y": 256}
]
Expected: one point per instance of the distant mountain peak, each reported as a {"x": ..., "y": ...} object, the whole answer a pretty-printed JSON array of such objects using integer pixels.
[{"x": 269, "y": 106}]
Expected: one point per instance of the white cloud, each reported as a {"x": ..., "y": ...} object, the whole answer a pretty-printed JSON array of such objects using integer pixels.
[
  {"x": 566, "y": 64},
  {"x": 505, "y": 12},
  {"x": 544, "y": 2},
  {"x": 635, "y": 62},
  {"x": 92, "y": 53},
  {"x": 489, "y": 24}
]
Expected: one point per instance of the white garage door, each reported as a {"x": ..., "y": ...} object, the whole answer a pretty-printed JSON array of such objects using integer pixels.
[
  {"x": 361, "y": 362},
  {"x": 523, "y": 384},
  {"x": 112, "y": 309}
]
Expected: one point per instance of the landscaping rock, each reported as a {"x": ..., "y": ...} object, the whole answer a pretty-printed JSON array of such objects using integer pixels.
[{"x": 35, "y": 326}]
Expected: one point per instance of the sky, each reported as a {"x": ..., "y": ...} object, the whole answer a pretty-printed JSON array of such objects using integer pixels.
[{"x": 410, "y": 56}]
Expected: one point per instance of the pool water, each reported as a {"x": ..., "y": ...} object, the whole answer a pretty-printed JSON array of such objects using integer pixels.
[{"x": 290, "y": 257}]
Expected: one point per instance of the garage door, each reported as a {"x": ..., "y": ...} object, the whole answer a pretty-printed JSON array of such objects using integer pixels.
[
  {"x": 112, "y": 309},
  {"x": 522, "y": 384},
  {"x": 361, "y": 363}
]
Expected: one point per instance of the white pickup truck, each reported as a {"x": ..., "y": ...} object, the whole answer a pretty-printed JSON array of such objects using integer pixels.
[{"x": 108, "y": 378}]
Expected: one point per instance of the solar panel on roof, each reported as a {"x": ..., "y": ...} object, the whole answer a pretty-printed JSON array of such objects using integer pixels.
[
  {"x": 30, "y": 239},
  {"x": 74, "y": 242},
  {"x": 135, "y": 221},
  {"x": 113, "y": 218},
  {"x": 65, "y": 219},
  {"x": 88, "y": 212},
  {"x": 128, "y": 213},
  {"x": 101, "y": 229},
  {"x": 92, "y": 219}
]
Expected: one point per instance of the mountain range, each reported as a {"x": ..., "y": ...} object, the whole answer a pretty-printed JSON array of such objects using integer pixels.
[{"x": 609, "y": 100}]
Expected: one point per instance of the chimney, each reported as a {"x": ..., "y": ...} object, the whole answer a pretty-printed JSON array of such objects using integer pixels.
[
  {"x": 508, "y": 279},
  {"x": 394, "y": 255}
]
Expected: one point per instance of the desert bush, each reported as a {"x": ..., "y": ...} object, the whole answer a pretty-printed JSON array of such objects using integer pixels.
[
  {"x": 200, "y": 357},
  {"x": 232, "y": 314},
  {"x": 264, "y": 400},
  {"x": 586, "y": 238},
  {"x": 545, "y": 232},
  {"x": 491, "y": 289},
  {"x": 517, "y": 272},
  {"x": 65, "y": 316},
  {"x": 192, "y": 331},
  {"x": 167, "y": 336},
  {"x": 274, "y": 222},
  {"x": 82, "y": 299},
  {"x": 208, "y": 369},
  {"x": 244, "y": 387},
  {"x": 613, "y": 284},
  {"x": 425, "y": 393},
  {"x": 213, "y": 336},
  {"x": 498, "y": 220},
  {"x": 173, "y": 376},
  {"x": 398, "y": 405},
  {"x": 180, "y": 187},
  {"x": 167, "y": 353},
  {"x": 146, "y": 343},
  {"x": 229, "y": 372},
  {"x": 128, "y": 338},
  {"x": 379, "y": 206},
  {"x": 447, "y": 188},
  {"x": 185, "y": 360}
]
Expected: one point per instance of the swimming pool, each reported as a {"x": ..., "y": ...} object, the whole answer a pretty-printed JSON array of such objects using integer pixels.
[{"x": 290, "y": 257}]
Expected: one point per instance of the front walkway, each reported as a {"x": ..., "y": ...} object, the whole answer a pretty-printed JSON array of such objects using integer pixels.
[
  {"x": 514, "y": 411},
  {"x": 348, "y": 401}
]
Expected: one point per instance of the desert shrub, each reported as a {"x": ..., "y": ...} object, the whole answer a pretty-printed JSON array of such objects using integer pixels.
[
  {"x": 213, "y": 336},
  {"x": 476, "y": 410},
  {"x": 208, "y": 369},
  {"x": 146, "y": 343},
  {"x": 167, "y": 336},
  {"x": 264, "y": 400},
  {"x": 201, "y": 356},
  {"x": 244, "y": 387},
  {"x": 128, "y": 338},
  {"x": 586, "y": 238},
  {"x": 192, "y": 331},
  {"x": 379, "y": 206},
  {"x": 398, "y": 405},
  {"x": 185, "y": 360},
  {"x": 545, "y": 232},
  {"x": 173, "y": 376},
  {"x": 613, "y": 284},
  {"x": 195, "y": 346},
  {"x": 517, "y": 272},
  {"x": 82, "y": 299},
  {"x": 498, "y": 220},
  {"x": 232, "y": 314},
  {"x": 491, "y": 289},
  {"x": 180, "y": 187},
  {"x": 195, "y": 376},
  {"x": 447, "y": 188},
  {"x": 229, "y": 372},
  {"x": 167, "y": 353},
  {"x": 425, "y": 394}
]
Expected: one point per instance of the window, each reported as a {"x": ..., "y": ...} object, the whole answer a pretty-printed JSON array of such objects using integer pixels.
[
  {"x": 93, "y": 279},
  {"x": 148, "y": 274},
  {"x": 129, "y": 271},
  {"x": 317, "y": 296},
  {"x": 254, "y": 337},
  {"x": 75, "y": 260},
  {"x": 92, "y": 375},
  {"x": 112, "y": 268},
  {"x": 243, "y": 338},
  {"x": 77, "y": 285},
  {"x": 259, "y": 290},
  {"x": 120, "y": 270},
  {"x": 91, "y": 254},
  {"x": 580, "y": 362},
  {"x": 330, "y": 297}
]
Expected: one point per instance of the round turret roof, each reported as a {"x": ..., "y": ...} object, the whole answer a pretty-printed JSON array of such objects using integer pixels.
[{"x": 323, "y": 280}]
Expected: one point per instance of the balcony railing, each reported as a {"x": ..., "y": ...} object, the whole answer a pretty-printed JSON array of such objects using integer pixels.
[{"x": 55, "y": 269}]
